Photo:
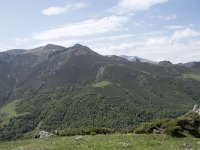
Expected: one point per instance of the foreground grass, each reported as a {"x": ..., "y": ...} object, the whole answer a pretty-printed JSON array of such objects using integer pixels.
[{"x": 105, "y": 142}]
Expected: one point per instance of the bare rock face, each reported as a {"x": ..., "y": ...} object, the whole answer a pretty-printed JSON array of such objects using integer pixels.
[{"x": 196, "y": 109}]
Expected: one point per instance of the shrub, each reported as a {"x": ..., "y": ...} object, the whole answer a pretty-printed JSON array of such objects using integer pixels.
[
  {"x": 149, "y": 127},
  {"x": 93, "y": 133},
  {"x": 144, "y": 128},
  {"x": 84, "y": 131},
  {"x": 174, "y": 131},
  {"x": 188, "y": 123}
]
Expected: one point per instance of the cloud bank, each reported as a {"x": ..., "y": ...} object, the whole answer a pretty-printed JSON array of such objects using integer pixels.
[
  {"x": 128, "y": 6},
  {"x": 52, "y": 11},
  {"x": 84, "y": 28}
]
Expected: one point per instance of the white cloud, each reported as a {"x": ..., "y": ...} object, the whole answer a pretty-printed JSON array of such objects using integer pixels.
[
  {"x": 174, "y": 27},
  {"x": 85, "y": 28},
  {"x": 137, "y": 25},
  {"x": 128, "y": 6},
  {"x": 4, "y": 47},
  {"x": 185, "y": 34},
  {"x": 156, "y": 47},
  {"x": 164, "y": 49},
  {"x": 64, "y": 10},
  {"x": 20, "y": 41},
  {"x": 65, "y": 43},
  {"x": 113, "y": 38},
  {"x": 166, "y": 18},
  {"x": 115, "y": 48}
]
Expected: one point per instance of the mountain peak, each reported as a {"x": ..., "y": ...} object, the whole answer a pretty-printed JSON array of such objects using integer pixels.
[
  {"x": 53, "y": 46},
  {"x": 78, "y": 45},
  {"x": 165, "y": 62},
  {"x": 79, "y": 49}
]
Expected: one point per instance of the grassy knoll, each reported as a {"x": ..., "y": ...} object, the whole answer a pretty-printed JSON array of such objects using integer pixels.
[
  {"x": 8, "y": 111},
  {"x": 105, "y": 142},
  {"x": 192, "y": 76},
  {"x": 102, "y": 84}
]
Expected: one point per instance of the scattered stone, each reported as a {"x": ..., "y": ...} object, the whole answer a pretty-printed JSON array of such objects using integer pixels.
[
  {"x": 78, "y": 137},
  {"x": 20, "y": 148},
  {"x": 156, "y": 131},
  {"x": 186, "y": 147},
  {"x": 123, "y": 144}
]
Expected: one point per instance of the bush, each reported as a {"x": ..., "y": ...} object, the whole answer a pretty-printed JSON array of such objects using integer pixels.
[
  {"x": 190, "y": 122},
  {"x": 149, "y": 127},
  {"x": 84, "y": 131},
  {"x": 144, "y": 128},
  {"x": 93, "y": 133},
  {"x": 174, "y": 131}
]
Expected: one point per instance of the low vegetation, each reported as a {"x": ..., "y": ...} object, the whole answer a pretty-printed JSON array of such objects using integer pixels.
[
  {"x": 84, "y": 131},
  {"x": 102, "y": 84},
  {"x": 105, "y": 142},
  {"x": 178, "y": 127},
  {"x": 192, "y": 76},
  {"x": 8, "y": 112}
]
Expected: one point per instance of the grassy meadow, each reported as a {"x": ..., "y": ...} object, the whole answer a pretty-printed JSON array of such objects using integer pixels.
[{"x": 105, "y": 142}]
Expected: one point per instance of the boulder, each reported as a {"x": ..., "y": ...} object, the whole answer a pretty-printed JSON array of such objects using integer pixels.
[
  {"x": 196, "y": 109},
  {"x": 43, "y": 134}
]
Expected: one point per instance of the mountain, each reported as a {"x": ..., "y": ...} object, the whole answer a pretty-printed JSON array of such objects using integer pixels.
[
  {"x": 165, "y": 62},
  {"x": 195, "y": 65},
  {"x": 53, "y": 87},
  {"x": 138, "y": 59}
]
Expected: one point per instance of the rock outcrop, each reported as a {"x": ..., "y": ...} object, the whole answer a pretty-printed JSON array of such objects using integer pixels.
[
  {"x": 43, "y": 134},
  {"x": 196, "y": 109}
]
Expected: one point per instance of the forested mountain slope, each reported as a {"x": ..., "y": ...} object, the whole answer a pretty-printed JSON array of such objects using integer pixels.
[{"x": 54, "y": 87}]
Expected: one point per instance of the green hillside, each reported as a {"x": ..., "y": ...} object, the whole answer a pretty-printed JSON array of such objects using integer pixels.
[{"x": 75, "y": 87}]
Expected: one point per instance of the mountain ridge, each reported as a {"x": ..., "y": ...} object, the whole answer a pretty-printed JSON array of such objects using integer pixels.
[
  {"x": 54, "y": 47},
  {"x": 76, "y": 87}
]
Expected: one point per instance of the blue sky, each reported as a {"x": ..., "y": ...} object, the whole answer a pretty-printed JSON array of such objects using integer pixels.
[{"x": 152, "y": 29}]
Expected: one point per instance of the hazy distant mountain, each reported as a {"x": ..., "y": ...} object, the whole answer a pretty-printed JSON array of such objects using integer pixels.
[
  {"x": 191, "y": 64},
  {"x": 53, "y": 87},
  {"x": 138, "y": 59}
]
